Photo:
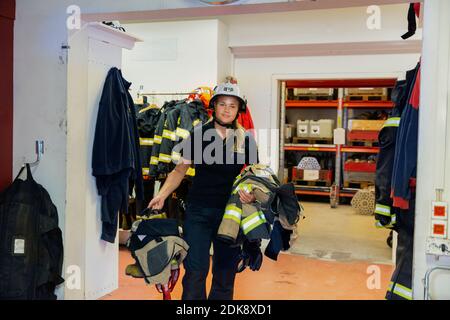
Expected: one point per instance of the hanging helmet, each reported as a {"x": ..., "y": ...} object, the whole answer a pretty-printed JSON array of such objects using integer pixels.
[{"x": 229, "y": 89}]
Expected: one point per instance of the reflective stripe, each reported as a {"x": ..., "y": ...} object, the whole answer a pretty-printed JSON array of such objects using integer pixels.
[
  {"x": 154, "y": 160},
  {"x": 252, "y": 221},
  {"x": 176, "y": 156},
  {"x": 400, "y": 290},
  {"x": 232, "y": 212},
  {"x": 383, "y": 210},
  {"x": 393, "y": 219},
  {"x": 243, "y": 186},
  {"x": 195, "y": 122},
  {"x": 165, "y": 158},
  {"x": 145, "y": 141},
  {"x": 169, "y": 135},
  {"x": 183, "y": 133},
  {"x": 190, "y": 172},
  {"x": 392, "y": 122},
  {"x": 157, "y": 139},
  {"x": 145, "y": 171}
]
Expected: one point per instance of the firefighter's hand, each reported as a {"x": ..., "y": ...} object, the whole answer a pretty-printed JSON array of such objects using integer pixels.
[
  {"x": 156, "y": 203},
  {"x": 246, "y": 197}
]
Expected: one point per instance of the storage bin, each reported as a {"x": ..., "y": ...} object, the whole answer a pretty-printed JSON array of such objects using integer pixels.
[
  {"x": 303, "y": 128},
  {"x": 321, "y": 128}
]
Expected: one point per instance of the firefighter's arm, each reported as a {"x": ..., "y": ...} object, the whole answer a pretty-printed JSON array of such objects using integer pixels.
[{"x": 174, "y": 179}]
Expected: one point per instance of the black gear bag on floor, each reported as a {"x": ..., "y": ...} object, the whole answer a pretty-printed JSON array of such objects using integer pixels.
[{"x": 31, "y": 247}]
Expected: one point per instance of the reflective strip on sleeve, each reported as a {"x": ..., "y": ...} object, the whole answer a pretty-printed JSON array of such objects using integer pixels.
[
  {"x": 383, "y": 210},
  {"x": 233, "y": 213},
  {"x": 145, "y": 171},
  {"x": 400, "y": 290},
  {"x": 154, "y": 160},
  {"x": 183, "y": 133},
  {"x": 145, "y": 141},
  {"x": 252, "y": 221},
  {"x": 392, "y": 122},
  {"x": 190, "y": 172},
  {"x": 165, "y": 158},
  {"x": 195, "y": 122},
  {"x": 176, "y": 156},
  {"x": 167, "y": 134},
  {"x": 157, "y": 139}
]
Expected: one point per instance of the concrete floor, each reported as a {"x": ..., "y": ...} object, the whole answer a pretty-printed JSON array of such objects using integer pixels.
[
  {"x": 291, "y": 277},
  {"x": 334, "y": 257},
  {"x": 340, "y": 234}
]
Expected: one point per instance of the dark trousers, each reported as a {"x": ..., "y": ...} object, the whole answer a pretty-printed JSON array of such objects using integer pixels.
[
  {"x": 199, "y": 231},
  {"x": 400, "y": 287}
]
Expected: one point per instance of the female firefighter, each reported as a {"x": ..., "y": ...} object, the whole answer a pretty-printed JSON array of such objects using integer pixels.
[{"x": 219, "y": 155}]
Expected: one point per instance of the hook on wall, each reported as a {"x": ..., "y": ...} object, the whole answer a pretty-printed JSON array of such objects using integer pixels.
[{"x": 39, "y": 153}]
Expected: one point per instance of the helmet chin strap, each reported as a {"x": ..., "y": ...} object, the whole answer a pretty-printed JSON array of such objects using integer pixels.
[{"x": 225, "y": 125}]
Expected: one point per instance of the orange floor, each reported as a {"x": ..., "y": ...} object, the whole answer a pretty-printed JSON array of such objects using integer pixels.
[{"x": 291, "y": 277}]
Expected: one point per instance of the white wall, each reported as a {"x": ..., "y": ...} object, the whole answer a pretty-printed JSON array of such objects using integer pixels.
[
  {"x": 224, "y": 56},
  {"x": 174, "y": 57},
  {"x": 319, "y": 26},
  {"x": 433, "y": 169}
]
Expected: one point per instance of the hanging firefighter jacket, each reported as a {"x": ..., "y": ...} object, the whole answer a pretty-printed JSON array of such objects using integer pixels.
[
  {"x": 385, "y": 214},
  {"x": 405, "y": 160},
  {"x": 157, "y": 137},
  {"x": 147, "y": 119},
  {"x": 175, "y": 124},
  {"x": 253, "y": 221},
  {"x": 116, "y": 162},
  {"x": 395, "y": 183},
  {"x": 178, "y": 124},
  {"x": 31, "y": 245}
]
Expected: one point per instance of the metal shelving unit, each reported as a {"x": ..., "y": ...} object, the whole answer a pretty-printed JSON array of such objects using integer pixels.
[{"x": 336, "y": 191}]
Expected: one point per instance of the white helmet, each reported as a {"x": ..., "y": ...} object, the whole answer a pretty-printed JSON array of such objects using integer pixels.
[{"x": 228, "y": 89}]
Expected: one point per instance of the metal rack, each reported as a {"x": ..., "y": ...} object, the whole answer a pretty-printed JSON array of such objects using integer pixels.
[{"x": 341, "y": 106}]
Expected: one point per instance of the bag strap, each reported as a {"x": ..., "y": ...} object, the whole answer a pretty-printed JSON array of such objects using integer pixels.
[{"x": 29, "y": 175}]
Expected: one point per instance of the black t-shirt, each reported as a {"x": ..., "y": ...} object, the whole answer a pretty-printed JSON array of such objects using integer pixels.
[{"x": 216, "y": 164}]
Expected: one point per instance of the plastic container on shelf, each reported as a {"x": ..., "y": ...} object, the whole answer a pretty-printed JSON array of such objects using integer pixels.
[
  {"x": 303, "y": 128},
  {"x": 322, "y": 128}
]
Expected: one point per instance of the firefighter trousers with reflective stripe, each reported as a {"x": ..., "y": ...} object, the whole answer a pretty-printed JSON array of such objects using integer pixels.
[
  {"x": 199, "y": 231},
  {"x": 400, "y": 287}
]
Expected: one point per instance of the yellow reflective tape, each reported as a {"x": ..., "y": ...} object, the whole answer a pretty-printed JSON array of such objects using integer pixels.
[
  {"x": 401, "y": 291},
  {"x": 383, "y": 210},
  {"x": 165, "y": 158},
  {"x": 243, "y": 186},
  {"x": 176, "y": 156},
  {"x": 249, "y": 219},
  {"x": 145, "y": 171},
  {"x": 190, "y": 172},
  {"x": 233, "y": 207},
  {"x": 154, "y": 160},
  {"x": 169, "y": 135},
  {"x": 195, "y": 122},
  {"x": 392, "y": 122},
  {"x": 253, "y": 221},
  {"x": 183, "y": 133},
  {"x": 157, "y": 139},
  {"x": 231, "y": 217},
  {"x": 145, "y": 141}
]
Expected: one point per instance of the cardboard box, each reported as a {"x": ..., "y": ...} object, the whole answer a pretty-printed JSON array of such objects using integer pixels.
[
  {"x": 365, "y": 125},
  {"x": 321, "y": 128}
]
